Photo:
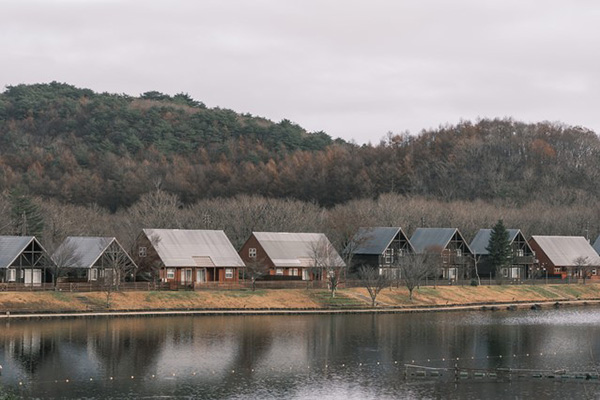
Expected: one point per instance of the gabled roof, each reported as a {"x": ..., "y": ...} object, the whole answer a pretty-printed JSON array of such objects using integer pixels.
[
  {"x": 428, "y": 238},
  {"x": 596, "y": 245},
  {"x": 84, "y": 250},
  {"x": 286, "y": 249},
  {"x": 482, "y": 239},
  {"x": 11, "y": 247},
  {"x": 563, "y": 250},
  {"x": 188, "y": 248},
  {"x": 374, "y": 240}
]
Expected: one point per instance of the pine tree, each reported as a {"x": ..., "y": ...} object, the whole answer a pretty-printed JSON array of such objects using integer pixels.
[{"x": 499, "y": 248}]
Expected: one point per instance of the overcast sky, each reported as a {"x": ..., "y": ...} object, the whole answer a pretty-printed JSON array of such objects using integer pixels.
[{"x": 355, "y": 69}]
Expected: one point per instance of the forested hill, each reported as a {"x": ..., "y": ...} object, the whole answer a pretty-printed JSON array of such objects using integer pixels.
[{"x": 83, "y": 147}]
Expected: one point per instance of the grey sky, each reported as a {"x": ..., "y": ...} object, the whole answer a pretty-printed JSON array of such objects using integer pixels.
[{"x": 355, "y": 69}]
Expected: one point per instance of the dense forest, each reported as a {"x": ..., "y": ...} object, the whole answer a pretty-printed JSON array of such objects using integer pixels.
[{"x": 94, "y": 163}]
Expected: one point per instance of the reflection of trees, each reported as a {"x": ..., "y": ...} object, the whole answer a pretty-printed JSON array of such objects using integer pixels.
[
  {"x": 31, "y": 349},
  {"x": 127, "y": 347}
]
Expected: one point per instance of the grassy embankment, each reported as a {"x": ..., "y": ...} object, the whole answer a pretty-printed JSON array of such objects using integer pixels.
[{"x": 292, "y": 298}]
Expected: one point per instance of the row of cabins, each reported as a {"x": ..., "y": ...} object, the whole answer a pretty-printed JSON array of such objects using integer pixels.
[
  {"x": 194, "y": 257},
  {"x": 550, "y": 256},
  {"x": 181, "y": 257}
]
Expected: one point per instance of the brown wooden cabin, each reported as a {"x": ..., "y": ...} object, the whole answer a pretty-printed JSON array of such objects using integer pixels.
[
  {"x": 188, "y": 257},
  {"x": 558, "y": 257},
  {"x": 291, "y": 256}
]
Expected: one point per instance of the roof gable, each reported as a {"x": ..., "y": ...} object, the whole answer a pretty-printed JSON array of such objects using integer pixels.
[
  {"x": 11, "y": 247},
  {"x": 184, "y": 247},
  {"x": 596, "y": 245},
  {"x": 82, "y": 251},
  {"x": 482, "y": 239},
  {"x": 563, "y": 250},
  {"x": 374, "y": 240},
  {"x": 428, "y": 238}
]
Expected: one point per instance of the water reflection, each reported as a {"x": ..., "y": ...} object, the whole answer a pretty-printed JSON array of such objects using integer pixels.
[{"x": 350, "y": 356}]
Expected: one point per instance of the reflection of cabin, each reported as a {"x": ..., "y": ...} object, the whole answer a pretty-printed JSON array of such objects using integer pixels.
[
  {"x": 188, "y": 257},
  {"x": 91, "y": 259},
  {"x": 380, "y": 248},
  {"x": 456, "y": 257},
  {"x": 564, "y": 256},
  {"x": 292, "y": 256},
  {"x": 24, "y": 260},
  {"x": 522, "y": 256}
]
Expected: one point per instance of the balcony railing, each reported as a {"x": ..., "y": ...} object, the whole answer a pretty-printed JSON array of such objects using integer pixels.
[{"x": 523, "y": 260}]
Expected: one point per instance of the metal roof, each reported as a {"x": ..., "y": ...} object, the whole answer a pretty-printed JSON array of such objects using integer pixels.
[
  {"x": 563, "y": 250},
  {"x": 374, "y": 240},
  {"x": 596, "y": 245},
  {"x": 11, "y": 247},
  {"x": 286, "y": 249},
  {"x": 482, "y": 239},
  {"x": 84, "y": 250},
  {"x": 183, "y": 247},
  {"x": 427, "y": 238}
]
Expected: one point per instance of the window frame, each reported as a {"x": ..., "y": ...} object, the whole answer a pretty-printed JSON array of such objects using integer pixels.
[
  {"x": 170, "y": 274},
  {"x": 252, "y": 252},
  {"x": 228, "y": 273}
]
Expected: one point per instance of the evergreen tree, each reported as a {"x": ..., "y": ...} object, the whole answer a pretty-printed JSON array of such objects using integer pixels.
[
  {"x": 26, "y": 216},
  {"x": 499, "y": 248}
]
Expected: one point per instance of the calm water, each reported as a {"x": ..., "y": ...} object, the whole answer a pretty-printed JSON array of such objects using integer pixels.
[{"x": 302, "y": 357}]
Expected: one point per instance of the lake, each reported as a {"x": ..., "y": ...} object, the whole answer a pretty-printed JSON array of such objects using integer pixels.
[{"x": 303, "y": 357}]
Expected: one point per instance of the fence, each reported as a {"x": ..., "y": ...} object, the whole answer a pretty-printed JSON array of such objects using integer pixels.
[{"x": 246, "y": 284}]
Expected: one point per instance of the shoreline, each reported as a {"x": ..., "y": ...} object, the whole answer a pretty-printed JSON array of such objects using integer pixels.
[{"x": 144, "y": 313}]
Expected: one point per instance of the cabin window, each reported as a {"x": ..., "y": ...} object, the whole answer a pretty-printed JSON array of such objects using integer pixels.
[
  {"x": 228, "y": 273},
  {"x": 279, "y": 271},
  {"x": 294, "y": 271},
  {"x": 594, "y": 272},
  {"x": 400, "y": 252},
  {"x": 389, "y": 256},
  {"x": 520, "y": 252},
  {"x": 170, "y": 273},
  {"x": 93, "y": 274},
  {"x": 12, "y": 275},
  {"x": 458, "y": 252},
  {"x": 252, "y": 252},
  {"x": 142, "y": 252}
]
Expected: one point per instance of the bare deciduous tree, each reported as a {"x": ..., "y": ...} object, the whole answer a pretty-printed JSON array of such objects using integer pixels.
[
  {"x": 327, "y": 263},
  {"x": 64, "y": 257},
  {"x": 254, "y": 270},
  {"x": 415, "y": 268},
  {"x": 117, "y": 265},
  {"x": 373, "y": 281},
  {"x": 583, "y": 268}
]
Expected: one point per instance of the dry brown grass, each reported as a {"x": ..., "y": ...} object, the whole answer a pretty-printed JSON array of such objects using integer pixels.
[{"x": 290, "y": 298}]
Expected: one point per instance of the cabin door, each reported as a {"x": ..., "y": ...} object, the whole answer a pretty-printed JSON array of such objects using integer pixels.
[
  {"x": 186, "y": 276},
  {"x": 201, "y": 275},
  {"x": 33, "y": 277},
  {"x": 305, "y": 275}
]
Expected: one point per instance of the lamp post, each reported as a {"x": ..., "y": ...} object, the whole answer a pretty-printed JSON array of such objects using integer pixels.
[{"x": 546, "y": 271}]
